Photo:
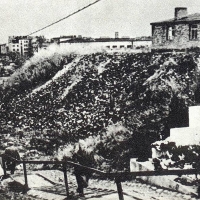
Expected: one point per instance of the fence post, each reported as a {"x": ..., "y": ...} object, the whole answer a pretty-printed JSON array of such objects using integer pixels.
[
  {"x": 4, "y": 166},
  {"x": 65, "y": 178},
  {"x": 119, "y": 188},
  {"x": 25, "y": 177}
]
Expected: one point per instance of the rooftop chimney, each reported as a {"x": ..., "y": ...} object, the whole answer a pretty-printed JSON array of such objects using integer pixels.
[
  {"x": 116, "y": 35},
  {"x": 180, "y": 12}
]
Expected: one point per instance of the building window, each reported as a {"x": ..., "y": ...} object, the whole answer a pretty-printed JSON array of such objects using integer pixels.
[
  {"x": 129, "y": 46},
  {"x": 193, "y": 32},
  {"x": 13, "y": 45},
  {"x": 17, "y": 49},
  {"x": 114, "y": 46},
  {"x": 170, "y": 32},
  {"x": 108, "y": 47},
  {"x": 13, "y": 49}
]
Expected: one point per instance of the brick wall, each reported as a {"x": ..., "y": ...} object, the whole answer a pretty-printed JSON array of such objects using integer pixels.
[{"x": 181, "y": 39}]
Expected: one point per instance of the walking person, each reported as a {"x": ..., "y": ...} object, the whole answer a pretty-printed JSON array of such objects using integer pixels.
[
  {"x": 82, "y": 175},
  {"x": 11, "y": 154},
  {"x": 82, "y": 179}
]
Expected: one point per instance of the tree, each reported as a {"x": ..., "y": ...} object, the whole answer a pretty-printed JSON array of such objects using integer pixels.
[{"x": 40, "y": 40}]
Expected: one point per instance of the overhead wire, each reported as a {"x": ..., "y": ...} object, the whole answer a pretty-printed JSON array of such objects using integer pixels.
[
  {"x": 65, "y": 17},
  {"x": 62, "y": 18}
]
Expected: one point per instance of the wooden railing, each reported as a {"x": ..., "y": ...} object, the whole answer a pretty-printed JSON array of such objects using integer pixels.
[{"x": 117, "y": 176}]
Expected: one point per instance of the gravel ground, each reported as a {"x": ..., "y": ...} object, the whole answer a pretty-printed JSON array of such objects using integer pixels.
[{"x": 98, "y": 189}]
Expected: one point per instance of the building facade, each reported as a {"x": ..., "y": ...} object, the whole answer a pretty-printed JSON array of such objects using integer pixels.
[
  {"x": 112, "y": 44},
  {"x": 20, "y": 44},
  {"x": 180, "y": 32}
]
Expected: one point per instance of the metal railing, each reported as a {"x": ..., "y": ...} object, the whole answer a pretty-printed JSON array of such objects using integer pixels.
[{"x": 117, "y": 176}]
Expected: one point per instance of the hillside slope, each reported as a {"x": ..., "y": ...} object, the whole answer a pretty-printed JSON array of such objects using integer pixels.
[{"x": 144, "y": 93}]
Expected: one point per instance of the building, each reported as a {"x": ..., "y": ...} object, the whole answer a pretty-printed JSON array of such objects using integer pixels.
[
  {"x": 39, "y": 43},
  {"x": 180, "y": 32},
  {"x": 112, "y": 44},
  {"x": 3, "y": 49},
  {"x": 20, "y": 44}
]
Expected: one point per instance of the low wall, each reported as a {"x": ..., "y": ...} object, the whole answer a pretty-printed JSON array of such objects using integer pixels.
[
  {"x": 161, "y": 181},
  {"x": 185, "y": 136}
]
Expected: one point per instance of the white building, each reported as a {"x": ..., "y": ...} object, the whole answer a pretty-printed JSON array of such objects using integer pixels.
[
  {"x": 20, "y": 44},
  {"x": 112, "y": 44}
]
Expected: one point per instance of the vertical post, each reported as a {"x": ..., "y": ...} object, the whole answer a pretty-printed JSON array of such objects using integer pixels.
[
  {"x": 65, "y": 178},
  {"x": 25, "y": 176},
  {"x": 119, "y": 188},
  {"x": 198, "y": 190},
  {"x": 4, "y": 165}
]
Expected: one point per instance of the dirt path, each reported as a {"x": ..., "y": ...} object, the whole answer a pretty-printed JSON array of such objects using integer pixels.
[{"x": 49, "y": 185}]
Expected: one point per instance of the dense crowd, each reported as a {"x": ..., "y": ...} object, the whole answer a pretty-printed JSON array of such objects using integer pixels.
[{"x": 101, "y": 89}]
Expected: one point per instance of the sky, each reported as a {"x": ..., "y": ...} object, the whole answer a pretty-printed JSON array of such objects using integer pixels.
[{"x": 128, "y": 17}]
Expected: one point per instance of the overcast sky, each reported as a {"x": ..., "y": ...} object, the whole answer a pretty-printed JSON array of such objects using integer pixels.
[{"x": 128, "y": 17}]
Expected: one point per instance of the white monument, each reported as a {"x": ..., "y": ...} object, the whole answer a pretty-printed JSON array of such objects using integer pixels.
[{"x": 187, "y": 135}]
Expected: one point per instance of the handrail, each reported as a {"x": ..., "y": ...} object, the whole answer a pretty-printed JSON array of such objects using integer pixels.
[
  {"x": 110, "y": 174},
  {"x": 40, "y": 161},
  {"x": 55, "y": 162},
  {"x": 157, "y": 173},
  {"x": 86, "y": 167},
  {"x": 118, "y": 176}
]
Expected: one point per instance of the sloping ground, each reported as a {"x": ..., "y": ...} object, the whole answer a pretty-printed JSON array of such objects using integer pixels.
[
  {"x": 142, "y": 93},
  {"x": 102, "y": 89},
  {"x": 108, "y": 83},
  {"x": 98, "y": 189}
]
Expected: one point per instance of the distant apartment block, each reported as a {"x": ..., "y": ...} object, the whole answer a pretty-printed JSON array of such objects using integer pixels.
[
  {"x": 180, "y": 32},
  {"x": 20, "y": 44}
]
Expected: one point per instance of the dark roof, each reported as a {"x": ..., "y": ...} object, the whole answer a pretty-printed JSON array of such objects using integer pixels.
[{"x": 187, "y": 19}]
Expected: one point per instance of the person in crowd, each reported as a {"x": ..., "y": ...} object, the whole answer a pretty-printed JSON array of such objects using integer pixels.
[
  {"x": 11, "y": 154},
  {"x": 82, "y": 175}
]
